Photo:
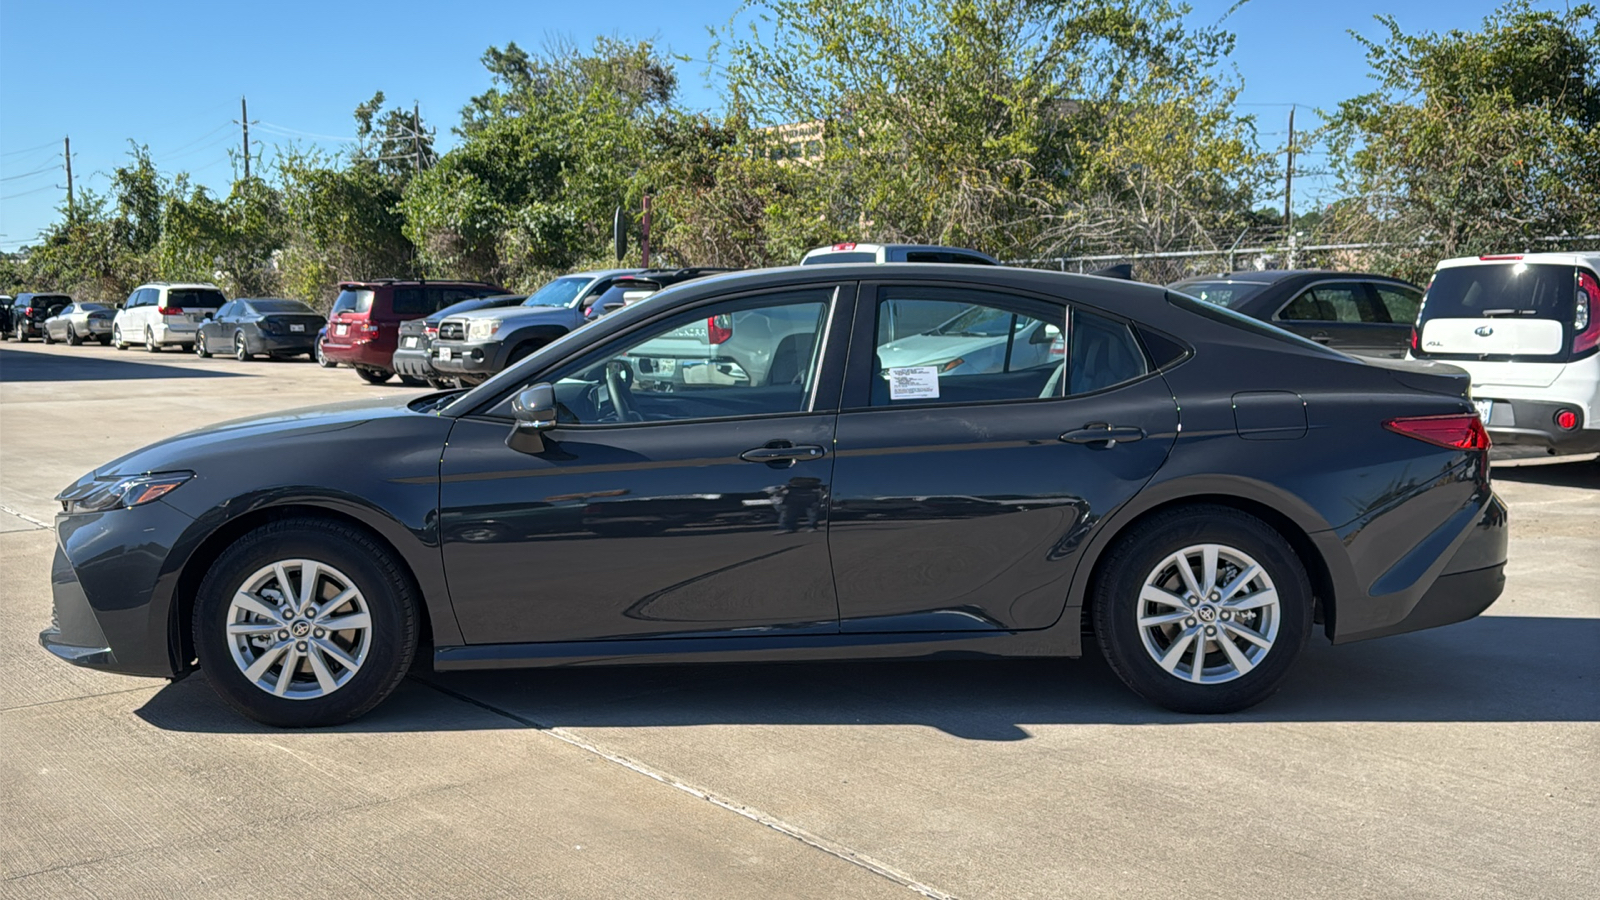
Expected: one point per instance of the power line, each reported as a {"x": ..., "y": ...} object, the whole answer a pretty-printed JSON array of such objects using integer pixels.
[
  {"x": 50, "y": 168},
  {"x": 28, "y": 149},
  {"x": 48, "y": 187},
  {"x": 295, "y": 132}
]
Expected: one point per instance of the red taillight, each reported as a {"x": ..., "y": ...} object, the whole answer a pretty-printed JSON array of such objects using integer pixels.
[
  {"x": 28, "y": 311},
  {"x": 1586, "y": 314},
  {"x": 431, "y": 330},
  {"x": 1414, "y": 344},
  {"x": 719, "y": 329},
  {"x": 369, "y": 328},
  {"x": 1462, "y": 431},
  {"x": 170, "y": 310},
  {"x": 1566, "y": 420},
  {"x": 1500, "y": 257},
  {"x": 846, "y": 246}
]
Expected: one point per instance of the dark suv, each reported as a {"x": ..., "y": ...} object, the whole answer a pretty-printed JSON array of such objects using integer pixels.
[
  {"x": 413, "y": 358},
  {"x": 24, "y": 318},
  {"x": 364, "y": 324}
]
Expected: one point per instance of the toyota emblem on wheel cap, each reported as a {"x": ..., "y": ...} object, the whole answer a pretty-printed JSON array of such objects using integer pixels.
[{"x": 1483, "y": 331}]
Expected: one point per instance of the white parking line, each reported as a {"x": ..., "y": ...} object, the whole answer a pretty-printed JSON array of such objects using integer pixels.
[{"x": 24, "y": 517}]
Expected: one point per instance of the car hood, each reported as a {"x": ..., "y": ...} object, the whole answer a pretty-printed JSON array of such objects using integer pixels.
[
  {"x": 256, "y": 433},
  {"x": 928, "y": 349},
  {"x": 515, "y": 312}
]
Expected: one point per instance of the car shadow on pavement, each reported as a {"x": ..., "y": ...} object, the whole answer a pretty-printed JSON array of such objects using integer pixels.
[
  {"x": 19, "y": 367},
  {"x": 1491, "y": 669},
  {"x": 1575, "y": 474}
]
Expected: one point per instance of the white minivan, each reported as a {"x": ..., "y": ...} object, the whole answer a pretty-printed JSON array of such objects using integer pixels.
[
  {"x": 1527, "y": 328},
  {"x": 162, "y": 313}
]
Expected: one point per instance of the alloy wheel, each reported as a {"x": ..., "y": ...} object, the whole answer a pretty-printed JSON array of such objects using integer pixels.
[
  {"x": 150, "y": 344},
  {"x": 240, "y": 351},
  {"x": 1208, "y": 614},
  {"x": 299, "y": 629}
]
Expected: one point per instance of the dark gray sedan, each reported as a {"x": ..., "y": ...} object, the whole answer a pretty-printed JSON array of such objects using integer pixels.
[
  {"x": 1369, "y": 315},
  {"x": 245, "y": 328},
  {"x": 1187, "y": 490}
]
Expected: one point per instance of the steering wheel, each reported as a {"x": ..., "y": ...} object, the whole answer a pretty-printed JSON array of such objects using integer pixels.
[{"x": 618, "y": 384}]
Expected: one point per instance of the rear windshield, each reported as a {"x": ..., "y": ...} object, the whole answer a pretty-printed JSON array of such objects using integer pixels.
[
  {"x": 828, "y": 258},
  {"x": 944, "y": 256},
  {"x": 1244, "y": 323},
  {"x": 1222, "y": 293},
  {"x": 1496, "y": 291},
  {"x": 281, "y": 306},
  {"x": 195, "y": 298},
  {"x": 560, "y": 292},
  {"x": 352, "y": 301},
  {"x": 92, "y": 307}
]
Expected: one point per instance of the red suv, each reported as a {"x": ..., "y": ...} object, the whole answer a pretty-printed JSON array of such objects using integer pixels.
[{"x": 364, "y": 324}]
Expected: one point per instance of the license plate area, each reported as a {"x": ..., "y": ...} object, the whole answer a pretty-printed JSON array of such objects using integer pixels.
[
  {"x": 410, "y": 341},
  {"x": 301, "y": 329},
  {"x": 445, "y": 354}
]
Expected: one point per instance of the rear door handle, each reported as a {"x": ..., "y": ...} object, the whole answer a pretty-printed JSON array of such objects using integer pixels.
[
  {"x": 782, "y": 454},
  {"x": 1104, "y": 435},
  {"x": 1322, "y": 337}
]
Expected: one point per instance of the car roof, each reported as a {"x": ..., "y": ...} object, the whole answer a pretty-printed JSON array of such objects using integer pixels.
[
  {"x": 1590, "y": 258},
  {"x": 178, "y": 284}
]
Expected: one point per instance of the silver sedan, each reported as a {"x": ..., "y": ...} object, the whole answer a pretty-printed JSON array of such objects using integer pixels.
[{"x": 79, "y": 322}]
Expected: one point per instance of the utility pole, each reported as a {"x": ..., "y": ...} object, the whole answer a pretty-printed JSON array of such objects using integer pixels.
[
  {"x": 416, "y": 134},
  {"x": 244, "y": 120},
  {"x": 1288, "y": 180},
  {"x": 66, "y": 154},
  {"x": 644, "y": 236}
]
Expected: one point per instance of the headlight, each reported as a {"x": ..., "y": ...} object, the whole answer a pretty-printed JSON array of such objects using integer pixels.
[
  {"x": 482, "y": 329},
  {"x": 133, "y": 490}
]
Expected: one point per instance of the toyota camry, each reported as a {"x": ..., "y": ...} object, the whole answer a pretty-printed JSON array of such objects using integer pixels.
[{"x": 738, "y": 468}]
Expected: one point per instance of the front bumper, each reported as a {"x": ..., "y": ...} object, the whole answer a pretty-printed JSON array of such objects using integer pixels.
[
  {"x": 112, "y": 591},
  {"x": 415, "y": 363},
  {"x": 466, "y": 359}
]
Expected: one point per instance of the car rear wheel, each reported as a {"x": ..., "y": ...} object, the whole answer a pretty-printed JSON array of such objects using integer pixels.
[
  {"x": 1202, "y": 609},
  {"x": 72, "y": 336},
  {"x": 200, "y": 346},
  {"x": 304, "y": 623},
  {"x": 321, "y": 357},
  {"x": 150, "y": 345},
  {"x": 373, "y": 376},
  {"x": 241, "y": 350},
  {"x": 21, "y": 334},
  {"x": 413, "y": 381}
]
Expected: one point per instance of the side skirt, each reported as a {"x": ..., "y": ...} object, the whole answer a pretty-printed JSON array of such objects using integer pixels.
[{"x": 768, "y": 648}]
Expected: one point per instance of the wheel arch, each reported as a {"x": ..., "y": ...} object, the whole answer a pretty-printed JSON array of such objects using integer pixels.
[
  {"x": 530, "y": 339},
  {"x": 1298, "y": 524},
  {"x": 198, "y": 562}
]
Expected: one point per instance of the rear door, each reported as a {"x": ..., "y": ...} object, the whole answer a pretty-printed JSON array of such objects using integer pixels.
[
  {"x": 349, "y": 314},
  {"x": 1346, "y": 316},
  {"x": 963, "y": 492},
  {"x": 1502, "y": 312},
  {"x": 655, "y": 509}
]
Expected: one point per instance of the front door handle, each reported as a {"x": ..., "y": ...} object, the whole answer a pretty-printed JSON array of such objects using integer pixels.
[
  {"x": 1322, "y": 337},
  {"x": 1104, "y": 435},
  {"x": 782, "y": 454}
]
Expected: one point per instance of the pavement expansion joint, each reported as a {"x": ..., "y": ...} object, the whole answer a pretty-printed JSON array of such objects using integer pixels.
[
  {"x": 815, "y": 841},
  {"x": 24, "y": 517}
]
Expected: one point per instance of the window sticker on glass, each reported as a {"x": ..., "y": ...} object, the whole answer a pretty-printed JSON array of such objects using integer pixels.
[{"x": 914, "y": 383}]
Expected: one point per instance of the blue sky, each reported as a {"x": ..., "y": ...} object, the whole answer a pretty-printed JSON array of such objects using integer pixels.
[{"x": 169, "y": 73}]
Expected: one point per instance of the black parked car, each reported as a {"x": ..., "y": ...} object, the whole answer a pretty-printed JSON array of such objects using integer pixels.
[
  {"x": 413, "y": 353},
  {"x": 1199, "y": 488},
  {"x": 25, "y": 316},
  {"x": 1369, "y": 315},
  {"x": 271, "y": 325}
]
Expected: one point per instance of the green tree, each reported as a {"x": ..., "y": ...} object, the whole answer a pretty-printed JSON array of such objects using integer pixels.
[
  {"x": 1475, "y": 142},
  {"x": 341, "y": 222}
]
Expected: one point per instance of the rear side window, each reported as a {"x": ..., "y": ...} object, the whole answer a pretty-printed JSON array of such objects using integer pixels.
[
  {"x": 352, "y": 301},
  {"x": 1105, "y": 353},
  {"x": 1345, "y": 303},
  {"x": 411, "y": 301},
  {"x": 951, "y": 345},
  {"x": 1494, "y": 291},
  {"x": 1398, "y": 302},
  {"x": 195, "y": 298}
]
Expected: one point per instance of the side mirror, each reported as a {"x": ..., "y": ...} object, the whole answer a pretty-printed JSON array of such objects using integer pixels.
[{"x": 535, "y": 413}]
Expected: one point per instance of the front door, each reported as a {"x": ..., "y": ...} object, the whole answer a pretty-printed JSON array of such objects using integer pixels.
[
  {"x": 684, "y": 490},
  {"x": 975, "y": 455}
]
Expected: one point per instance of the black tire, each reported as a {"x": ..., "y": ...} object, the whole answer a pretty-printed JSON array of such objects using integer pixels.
[
  {"x": 200, "y": 346},
  {"x": 21, "y": 335},
  {"x": 105, "y": 341},
  {"x": 321, "y": 358},
  {"x": 150, "y": 345},
  {"x": 47, "y": 336},
  {"x": 413, "y": 381},
  {"x": 241, "y": 348},
  {"x": 373, "y": 376},
  {"x": 372, "y": 568},
  {"x": 72, "y": 336},
  {"x": 1117, "y": 607},
  {"x": 116, "y": 338}
]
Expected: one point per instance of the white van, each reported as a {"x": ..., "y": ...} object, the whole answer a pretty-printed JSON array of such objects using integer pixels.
[
  {"x": 1527, "y": 328},
  {"x": 162, "y": 313}
]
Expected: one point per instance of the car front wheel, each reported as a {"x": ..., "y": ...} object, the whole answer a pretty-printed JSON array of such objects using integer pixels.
[
  {"x": 305, "y": 623},
  {"x": 1202, "y": 609}
]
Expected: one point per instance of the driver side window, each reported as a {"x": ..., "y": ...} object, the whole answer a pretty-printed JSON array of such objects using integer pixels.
[{"x": 750, "y": 357}]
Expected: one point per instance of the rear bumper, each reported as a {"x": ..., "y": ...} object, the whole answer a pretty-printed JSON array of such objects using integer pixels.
[
  {"x": 169, "y": 333},
  {"x": 413, "y": 363},
  {"x": 362, "y": 354},
  {"x": 1532, "y": 423},
  {"x": 285, "y": 343}
]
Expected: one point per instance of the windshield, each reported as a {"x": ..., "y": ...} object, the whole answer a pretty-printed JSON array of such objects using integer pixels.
[
  {"x": 195, "y": 298},
  {"x": 1223, "y": 293},
  {"x": 560, "y": 292},
  {"x": 1494, "y": 291},
  {"x": 352, "y": 301},
  {"x": 281, "y": 306}
]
